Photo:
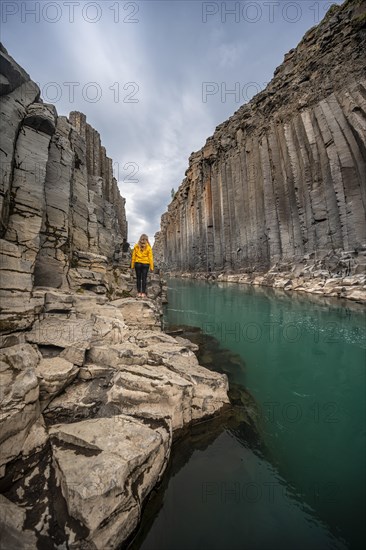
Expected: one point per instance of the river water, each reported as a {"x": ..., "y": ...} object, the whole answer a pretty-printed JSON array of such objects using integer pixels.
[{"x": 302, "y": 486}]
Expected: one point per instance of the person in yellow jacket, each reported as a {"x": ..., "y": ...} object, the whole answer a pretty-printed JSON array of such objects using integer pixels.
[{"x": 142, "y": 260}]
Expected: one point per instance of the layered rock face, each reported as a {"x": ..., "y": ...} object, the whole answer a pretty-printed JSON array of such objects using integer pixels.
[
  {"x": 62, "y": 216},
  {"x": 285, "y": 177}
]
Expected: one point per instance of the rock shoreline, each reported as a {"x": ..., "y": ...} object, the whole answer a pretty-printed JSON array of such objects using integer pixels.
[
  {"x": 349, "y": 287},
  {"x": 91, "y": 399}
]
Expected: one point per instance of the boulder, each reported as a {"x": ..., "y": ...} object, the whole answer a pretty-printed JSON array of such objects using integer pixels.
[
  {"x": 54, "y": 374},
  {"x": 121, "y": 460}
]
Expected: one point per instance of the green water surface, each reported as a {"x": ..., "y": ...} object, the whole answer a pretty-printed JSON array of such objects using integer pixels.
[{"x": 303, "y": 361}]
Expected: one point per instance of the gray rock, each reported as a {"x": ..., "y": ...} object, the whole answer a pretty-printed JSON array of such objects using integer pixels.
[
  {"x": 121, "y": 460},
  {"x": 60, "y": 331},
  {"x": 12, "y": 532},
  {"x": 14, "y": 74},
  {"x": 140, "y": 314},
  {"x": 19, "y": 399},
  {"x": 284, "y": 177},
  {"x": 20, "y": 357},
  {"x": 62, "y": 216},
  {"x": 41, "y": 117},
  {"x": 54, "y": 374}
]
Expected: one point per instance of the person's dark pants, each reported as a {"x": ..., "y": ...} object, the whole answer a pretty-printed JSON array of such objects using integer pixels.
[{"x": 141, "y": 276}]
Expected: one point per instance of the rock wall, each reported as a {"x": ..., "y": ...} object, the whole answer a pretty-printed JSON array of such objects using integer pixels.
[
  {"x": 285, "y": 177},
  {"x": 62, "y": 217}
]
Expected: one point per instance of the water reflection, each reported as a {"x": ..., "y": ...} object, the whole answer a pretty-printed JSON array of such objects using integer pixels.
[
  {"x": 296, "y": 361},
  {"x": 219, "y": 494}
]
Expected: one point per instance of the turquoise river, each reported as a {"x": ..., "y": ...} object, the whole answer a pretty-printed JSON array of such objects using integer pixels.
[{"x": 302, "y": 486}]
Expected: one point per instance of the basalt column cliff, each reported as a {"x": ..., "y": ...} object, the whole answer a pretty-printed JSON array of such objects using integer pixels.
[
  {"x": 62, "y": 216},
  {"x": 283, "y": 181}
]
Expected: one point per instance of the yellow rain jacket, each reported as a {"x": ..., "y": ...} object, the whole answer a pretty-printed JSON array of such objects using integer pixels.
[{"x": 143, "y": 256}]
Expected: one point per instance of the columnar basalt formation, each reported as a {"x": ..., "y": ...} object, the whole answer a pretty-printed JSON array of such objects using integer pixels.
[
  {"x": 62, "y": 216},
  {"x": 285, "y": 177}
]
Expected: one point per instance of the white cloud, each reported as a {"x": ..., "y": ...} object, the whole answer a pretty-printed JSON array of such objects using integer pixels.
[{"x": 229, "y": 54}]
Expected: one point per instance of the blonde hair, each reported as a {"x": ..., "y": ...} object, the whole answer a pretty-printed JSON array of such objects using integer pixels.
[{"x": 143, "y": 240}]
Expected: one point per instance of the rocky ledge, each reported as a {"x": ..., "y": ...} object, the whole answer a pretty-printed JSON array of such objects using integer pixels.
[
  {"x": 92, "y": 395},
  {"x": 334, "y": 274},
  {"x": 338, "y": 274}
]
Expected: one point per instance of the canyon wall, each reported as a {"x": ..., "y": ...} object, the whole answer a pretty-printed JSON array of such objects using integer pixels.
[
  {"x": 62, "y": 216},
  {"x": 91, "y": 390},
  {"x": 285, "y": 177}
]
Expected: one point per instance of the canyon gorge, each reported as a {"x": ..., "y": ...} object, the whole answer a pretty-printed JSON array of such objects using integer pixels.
[
  {"x": 93, "y": 392},
  {"x": 279, "y": 190}
]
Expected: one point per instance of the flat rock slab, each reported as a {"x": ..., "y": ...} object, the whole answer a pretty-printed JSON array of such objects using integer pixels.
[
  {"x": 105, "y": 467},
  {"x": 60, "y": 332},
  {"x": 117, "y": 356},
  {"x": 138, "y": 313}
]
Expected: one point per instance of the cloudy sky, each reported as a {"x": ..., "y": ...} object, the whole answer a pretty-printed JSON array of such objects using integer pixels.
[{"x": 154, "y": 77}]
